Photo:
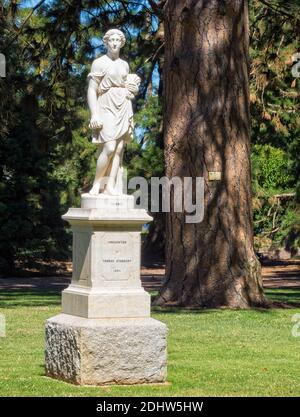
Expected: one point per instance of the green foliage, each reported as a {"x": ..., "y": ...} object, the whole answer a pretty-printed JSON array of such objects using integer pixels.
[
  {"x": 289, "y": 233},
  {"x": 275, "y": 208},
  {"x": 39, "y": 166},
  {"x": 276, "y": 222},
  {"x": 144, "y": 156},
  {"x": 275, "y": 111},
  {"x": 270, "y": 168}
]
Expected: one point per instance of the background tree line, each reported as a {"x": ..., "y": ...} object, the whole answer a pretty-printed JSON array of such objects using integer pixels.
[{"x": 46, "y": 158}]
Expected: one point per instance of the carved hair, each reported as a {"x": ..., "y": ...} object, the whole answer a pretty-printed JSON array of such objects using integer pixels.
[{"x": 111, "y": 32}]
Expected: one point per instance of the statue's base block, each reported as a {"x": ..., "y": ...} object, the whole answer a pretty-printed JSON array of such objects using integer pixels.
[{"x": 106, "y": 351}]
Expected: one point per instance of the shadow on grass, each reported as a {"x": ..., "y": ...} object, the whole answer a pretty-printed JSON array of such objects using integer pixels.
[
  {"x": 284, "y": 298},
  {"x": 29, "y": 298},
  {"x": 278, "y": 298}
]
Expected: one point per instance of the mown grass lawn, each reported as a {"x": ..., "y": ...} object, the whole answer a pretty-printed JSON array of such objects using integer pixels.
[{"x": 210, "y": 353}]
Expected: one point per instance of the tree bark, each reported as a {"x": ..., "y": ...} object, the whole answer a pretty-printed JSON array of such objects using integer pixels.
[{"x": 206, "y": 128}]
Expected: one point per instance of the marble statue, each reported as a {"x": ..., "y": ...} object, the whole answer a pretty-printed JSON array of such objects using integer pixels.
[
  {"x": 105, "y": 333},
  {"x": 110, "y": 91}
]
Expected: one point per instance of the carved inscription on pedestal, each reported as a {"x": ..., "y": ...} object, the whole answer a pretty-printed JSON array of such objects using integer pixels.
[{"x": 116, "y": 256}]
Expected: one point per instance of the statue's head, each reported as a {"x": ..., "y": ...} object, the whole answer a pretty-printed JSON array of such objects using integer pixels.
[{"x": 114, "y": 39}]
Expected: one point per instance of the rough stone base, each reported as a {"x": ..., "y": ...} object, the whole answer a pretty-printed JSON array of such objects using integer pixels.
[{"x": 106, "y": 351}]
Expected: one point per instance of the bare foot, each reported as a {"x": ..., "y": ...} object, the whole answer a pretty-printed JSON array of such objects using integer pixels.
[{"x": 95, "y": 189}]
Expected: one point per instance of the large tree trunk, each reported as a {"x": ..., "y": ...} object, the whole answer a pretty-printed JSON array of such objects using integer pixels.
[{"x": 206, "y": 119}]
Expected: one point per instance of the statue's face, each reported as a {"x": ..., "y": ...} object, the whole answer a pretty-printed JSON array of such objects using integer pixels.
[{"x": 114, "y": 43}]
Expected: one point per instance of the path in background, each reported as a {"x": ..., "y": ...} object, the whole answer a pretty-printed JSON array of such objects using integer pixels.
[{"x": 276, "y": 274}]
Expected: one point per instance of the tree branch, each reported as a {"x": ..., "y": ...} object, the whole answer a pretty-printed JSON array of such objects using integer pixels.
[
  {"x": 26, "y": 20},
  {"x": 278, "y": 10}
]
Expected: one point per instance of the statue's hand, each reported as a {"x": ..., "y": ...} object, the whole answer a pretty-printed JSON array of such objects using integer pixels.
[
  {"x": 95, "y": 123},
  {"x": 129, "y": 95},
  {"x": 132, "y": 83},
  {"x": 132, "y": 88}
]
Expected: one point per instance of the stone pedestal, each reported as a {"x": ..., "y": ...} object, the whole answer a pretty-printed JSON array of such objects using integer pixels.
[
  {"x": 105, "y": 351},
  {"x": 105, "y": 333}
]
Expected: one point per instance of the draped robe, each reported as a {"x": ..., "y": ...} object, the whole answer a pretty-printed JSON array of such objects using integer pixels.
[{"x": 114, "y": 105}]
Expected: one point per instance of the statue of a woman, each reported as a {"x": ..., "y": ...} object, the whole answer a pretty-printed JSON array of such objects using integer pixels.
[{"x": 111, "y": 89}]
